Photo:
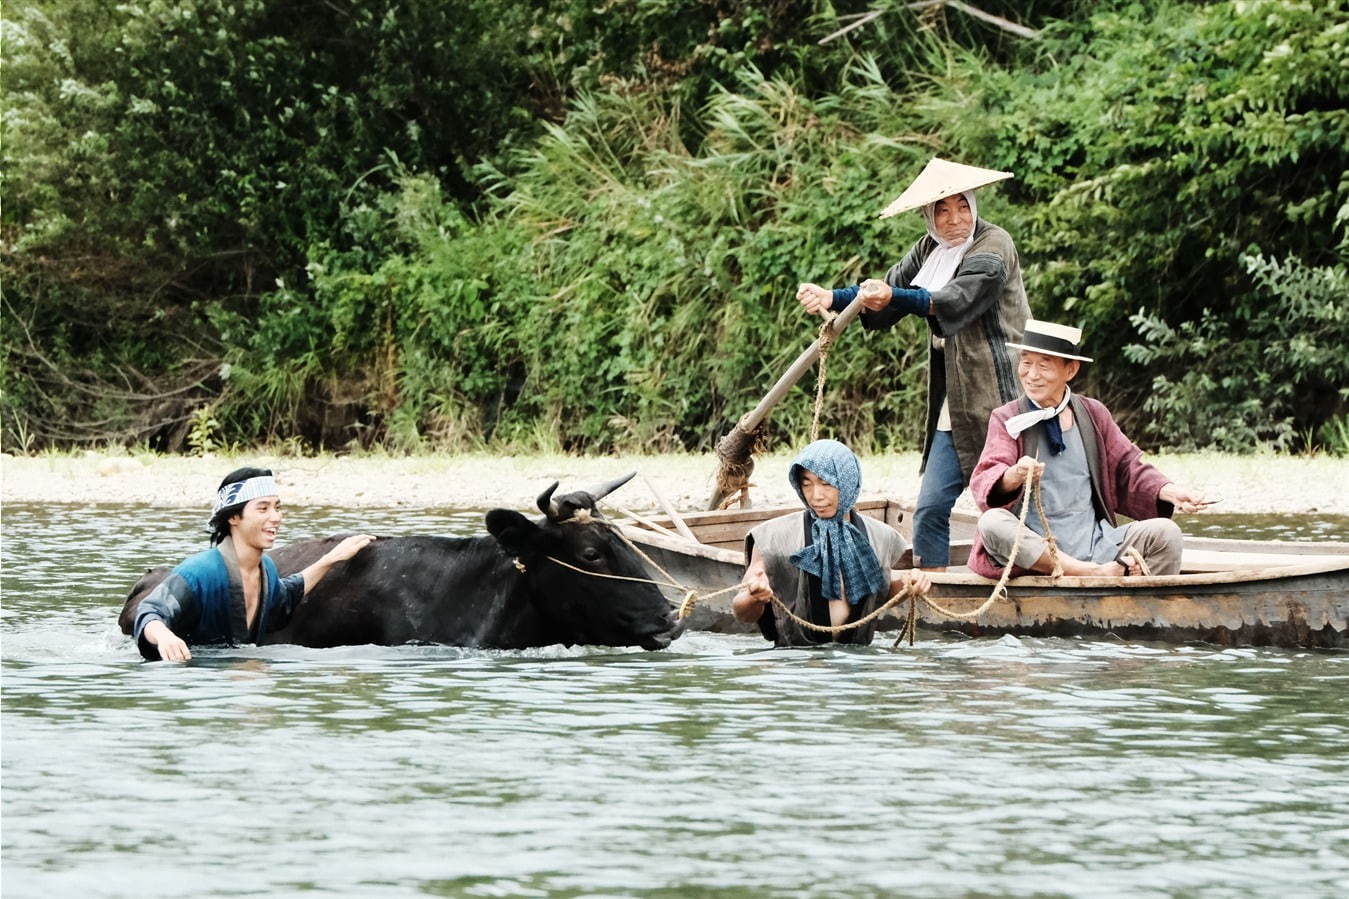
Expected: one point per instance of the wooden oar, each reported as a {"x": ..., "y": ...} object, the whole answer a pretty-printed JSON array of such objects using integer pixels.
[
  {"x": 735, "y": 450},
  {"x": 679, "y": 522}
]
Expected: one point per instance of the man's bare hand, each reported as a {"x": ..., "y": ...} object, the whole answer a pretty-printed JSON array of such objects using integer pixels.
[
  {"x": 815, "y": 299},
  {"x": 874, "y": 294},
  {"x": 1015, "y": 476},
  {"x": 348, "y": 547},
  {"x": 916, "y": 580},
  {"x": 171, "y": 647},
  {"x": 1185, "y": 499}
]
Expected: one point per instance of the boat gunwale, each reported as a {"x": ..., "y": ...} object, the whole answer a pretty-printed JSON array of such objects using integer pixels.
[{"x": 1323, "y": 564}]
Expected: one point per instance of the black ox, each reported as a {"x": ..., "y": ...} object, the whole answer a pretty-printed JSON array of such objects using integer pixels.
[{"x": 493, "y": 592}]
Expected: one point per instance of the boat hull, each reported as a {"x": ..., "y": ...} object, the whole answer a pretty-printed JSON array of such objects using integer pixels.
[{"x": 1243, "y": 593}]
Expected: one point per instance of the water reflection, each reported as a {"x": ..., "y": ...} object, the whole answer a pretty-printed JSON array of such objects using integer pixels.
[{"x": 999, "y": 767}]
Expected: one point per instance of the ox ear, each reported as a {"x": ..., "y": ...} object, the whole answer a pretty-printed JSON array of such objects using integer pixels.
[{"x": 512, "y": 530}]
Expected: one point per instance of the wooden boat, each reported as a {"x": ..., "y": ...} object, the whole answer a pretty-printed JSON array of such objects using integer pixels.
[{"x": 1229, "y": 592}]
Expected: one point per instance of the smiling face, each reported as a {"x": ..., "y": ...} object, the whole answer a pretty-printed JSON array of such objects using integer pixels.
[
  {"x": 821, "y": 496},
  {"x": 1043, "y": 376},
  {"x": 256, "y": 524},
  {"x": 952, "y": 219}
]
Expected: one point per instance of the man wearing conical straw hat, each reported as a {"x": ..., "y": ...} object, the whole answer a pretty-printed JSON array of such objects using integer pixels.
[
  {"x": 964, "y": 279},
  {"x": 1087, "y": 470}
]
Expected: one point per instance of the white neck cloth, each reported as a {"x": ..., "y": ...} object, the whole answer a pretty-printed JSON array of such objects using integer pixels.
[
  {"x": 941, "y": 264},
  {"x": 1018, "y": 423}
]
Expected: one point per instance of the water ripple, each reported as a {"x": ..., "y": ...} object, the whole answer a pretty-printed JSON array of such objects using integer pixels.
[{"x": 1013, "y": 767}]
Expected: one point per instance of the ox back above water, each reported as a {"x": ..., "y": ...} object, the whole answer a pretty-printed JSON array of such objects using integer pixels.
[{"x": 500, "y": 591}]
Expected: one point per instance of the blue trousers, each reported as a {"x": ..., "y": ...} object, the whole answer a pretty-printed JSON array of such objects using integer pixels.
[{"x": 941, "y": 487}]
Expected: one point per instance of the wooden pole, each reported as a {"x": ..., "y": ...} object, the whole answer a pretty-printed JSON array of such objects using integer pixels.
[
  {"x": 642, "y": 519},
  {"x": 735, "y": 449},
  {"x": 679, "y": 523},
  {"x": 798, "y": 368}
]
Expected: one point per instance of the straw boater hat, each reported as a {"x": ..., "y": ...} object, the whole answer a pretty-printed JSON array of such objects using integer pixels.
[
  {"x": 1052, "y": 340},
  {"x": 938, "y": 179}
]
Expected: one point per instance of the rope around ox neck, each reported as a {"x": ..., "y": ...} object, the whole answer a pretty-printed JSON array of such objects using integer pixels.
[
  {"x": 909, "y": 628},
  {"x": 691, "y": 597}
]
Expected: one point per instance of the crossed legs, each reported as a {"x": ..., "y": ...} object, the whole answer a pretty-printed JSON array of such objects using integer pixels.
[{"x": 1158, "y": 540}]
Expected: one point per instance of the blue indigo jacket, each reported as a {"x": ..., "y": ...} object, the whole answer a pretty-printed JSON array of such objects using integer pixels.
[{"x": 202, "y": 601}]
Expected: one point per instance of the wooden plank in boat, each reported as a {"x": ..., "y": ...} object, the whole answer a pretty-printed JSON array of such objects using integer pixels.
[
  {"x": 731, "y": 525},
  {"x": 1197, "y": 560}
]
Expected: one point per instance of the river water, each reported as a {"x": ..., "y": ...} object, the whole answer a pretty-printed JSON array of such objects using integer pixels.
[{"x": 719, "y": 768}]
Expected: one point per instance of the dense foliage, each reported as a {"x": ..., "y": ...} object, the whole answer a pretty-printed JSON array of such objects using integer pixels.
[{"x": 580, "y": 226}]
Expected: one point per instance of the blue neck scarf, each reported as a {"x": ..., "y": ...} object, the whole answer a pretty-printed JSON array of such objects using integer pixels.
[
  {"x": 1053, "y": 430},
  {"x": 840, "y": 552}
]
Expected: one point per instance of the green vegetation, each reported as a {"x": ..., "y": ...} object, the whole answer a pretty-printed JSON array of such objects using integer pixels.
[{"x": 417, "y": 225}]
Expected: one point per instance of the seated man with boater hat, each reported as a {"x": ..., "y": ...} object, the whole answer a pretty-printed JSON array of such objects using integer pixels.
[{"x": 1088, "y": 473}]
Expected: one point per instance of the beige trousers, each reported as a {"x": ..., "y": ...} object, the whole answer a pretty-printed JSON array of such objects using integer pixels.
[{"x": 1158, "y": 540}]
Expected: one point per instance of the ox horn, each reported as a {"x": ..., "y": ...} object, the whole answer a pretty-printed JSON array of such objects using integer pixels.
[
  {"x": 604, "y": 490},
  {"x": 546, "y": 504}
]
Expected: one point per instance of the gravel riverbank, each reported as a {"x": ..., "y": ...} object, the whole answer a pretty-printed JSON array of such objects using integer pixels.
[{"x": 1246, "y": 484}]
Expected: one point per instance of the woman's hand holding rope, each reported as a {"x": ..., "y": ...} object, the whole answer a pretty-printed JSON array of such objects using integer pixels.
[{"x": 915, "y": 580}]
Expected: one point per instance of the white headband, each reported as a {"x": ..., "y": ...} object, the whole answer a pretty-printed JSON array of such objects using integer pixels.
[{"x": 242, "y": 491}]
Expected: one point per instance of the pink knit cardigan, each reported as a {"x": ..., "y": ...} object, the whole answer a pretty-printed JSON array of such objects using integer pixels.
[{"x": 1127, "y": 485}]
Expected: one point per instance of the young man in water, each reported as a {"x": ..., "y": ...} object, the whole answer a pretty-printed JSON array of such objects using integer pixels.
[
  {"x": 1088, "y": 472},
  {"x": 231, "y": 593}
]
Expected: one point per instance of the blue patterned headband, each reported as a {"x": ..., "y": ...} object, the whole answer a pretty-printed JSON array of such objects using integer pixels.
[{"x": 241, "y": 492}]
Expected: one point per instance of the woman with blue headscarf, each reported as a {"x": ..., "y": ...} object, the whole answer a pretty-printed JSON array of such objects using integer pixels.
[{"x": 831, "y": 565}]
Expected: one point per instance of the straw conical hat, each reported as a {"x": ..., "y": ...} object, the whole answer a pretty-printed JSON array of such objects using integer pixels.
[{"x": 938, "y": 179}]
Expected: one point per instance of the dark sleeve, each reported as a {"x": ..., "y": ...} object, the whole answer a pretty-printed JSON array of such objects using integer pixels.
[
  {"x": 173, "y": 602},
  {"x": 1138, "y": 485},
  {"x": 843, "y": 296},
  {"x": 976, "y": 287},
  {"x": 901, "y": 274},
  {"x": 768, "y": 625},
  {"x": 1001, "y": 451},
  {"x": 292, "y": 591},
  {"x": 288, "y": 596}
]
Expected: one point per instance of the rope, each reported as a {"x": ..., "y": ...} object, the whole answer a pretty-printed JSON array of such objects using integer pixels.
[
  {"x": 691, "y": 597},
  {"x": 908, "y": 629},
  {"x": 893, "y": 601},
  {"x": 643, "y": 580},
  {"x": 1051, "y": 542},
  {"x": 826, "y": 340},
  {"x": 1132, "y": 558},
  {"x": 999, "y": 591},
  {"x": 735, "y": 453}
]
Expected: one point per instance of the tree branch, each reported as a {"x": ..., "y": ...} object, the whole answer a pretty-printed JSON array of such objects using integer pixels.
[{"x": 972, "y": 11}]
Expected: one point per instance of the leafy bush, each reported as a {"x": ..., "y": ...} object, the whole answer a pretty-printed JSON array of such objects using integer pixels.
[
  {"x": 585, "y": 231},
  {"x": 1152, "y": 146},
  {"x": 1264, "y": 378}
]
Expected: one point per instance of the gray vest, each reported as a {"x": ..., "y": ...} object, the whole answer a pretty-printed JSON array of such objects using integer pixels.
[
  {"x": 776, "y": 540},
  {"x": 1065, "y": 493}
]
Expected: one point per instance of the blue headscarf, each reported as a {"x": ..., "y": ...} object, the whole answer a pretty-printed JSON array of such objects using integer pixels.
[{"x": 837, "y": 546}]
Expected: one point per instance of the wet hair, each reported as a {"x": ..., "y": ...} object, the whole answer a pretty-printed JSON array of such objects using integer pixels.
[{"x": 220, "y": 521}]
